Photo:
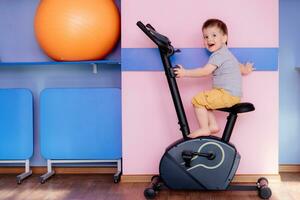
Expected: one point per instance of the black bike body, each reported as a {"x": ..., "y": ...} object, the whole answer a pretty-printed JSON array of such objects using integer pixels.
[
  {"x": 203, "y": 163},
  {"x": 202, "y": 173}
]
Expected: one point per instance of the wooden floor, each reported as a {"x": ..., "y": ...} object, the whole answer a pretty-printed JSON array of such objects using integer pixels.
[{"x": 96, "y": 187}]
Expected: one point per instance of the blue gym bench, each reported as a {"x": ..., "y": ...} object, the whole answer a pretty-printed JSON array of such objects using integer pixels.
[
  {"x": 81, "y": 125},
  {"x": 16, "y": 128}
]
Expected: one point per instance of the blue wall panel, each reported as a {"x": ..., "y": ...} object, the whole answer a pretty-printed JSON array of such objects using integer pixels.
[
  {"x": 18, "y": 44},
  {"x": 289, "y": 79},
  {"x": 141, "y": 59}
]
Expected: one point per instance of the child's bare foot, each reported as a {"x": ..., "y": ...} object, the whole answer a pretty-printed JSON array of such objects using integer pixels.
[
  {"x": 200, "y": 132},
  {"x": 214, "y": 129}
]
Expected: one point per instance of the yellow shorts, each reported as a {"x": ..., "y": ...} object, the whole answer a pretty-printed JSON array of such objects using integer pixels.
[{"x": 215, "y": 99}]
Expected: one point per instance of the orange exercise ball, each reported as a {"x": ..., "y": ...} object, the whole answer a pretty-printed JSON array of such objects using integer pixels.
[{"x": 75, "y": 30}]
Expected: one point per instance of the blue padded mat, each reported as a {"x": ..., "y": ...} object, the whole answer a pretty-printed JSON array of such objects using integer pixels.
[
  {"x": 16, "y": 124},
  {"x": 81, "y": 123}
]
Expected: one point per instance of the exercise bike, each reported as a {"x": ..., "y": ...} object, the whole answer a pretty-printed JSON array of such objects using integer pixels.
[{"x": 203, "y": 163}]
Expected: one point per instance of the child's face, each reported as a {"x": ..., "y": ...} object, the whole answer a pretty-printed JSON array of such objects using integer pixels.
[{"x": 214, "y": 38}]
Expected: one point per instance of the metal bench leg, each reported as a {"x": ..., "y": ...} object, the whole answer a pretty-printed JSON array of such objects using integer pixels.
[
  {"x": 49, "y": 173},
  {"x": 117, "y": 176},
  {"x": 26, "y": 174}
]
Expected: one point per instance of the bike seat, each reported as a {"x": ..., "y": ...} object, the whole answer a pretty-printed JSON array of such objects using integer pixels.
[{"x": 239, "y": 108}]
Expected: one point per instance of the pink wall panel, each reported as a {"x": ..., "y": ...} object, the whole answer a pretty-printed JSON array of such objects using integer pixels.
[
  {"x": 150, "y": 123},
  {"x": 251, "y": 23}
]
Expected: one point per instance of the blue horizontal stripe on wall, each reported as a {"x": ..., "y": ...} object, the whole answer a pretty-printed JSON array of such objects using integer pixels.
[{"x": 148, "y": 59}]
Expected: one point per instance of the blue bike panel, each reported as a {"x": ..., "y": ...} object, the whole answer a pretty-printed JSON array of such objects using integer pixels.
[
  {"x": 16, "y": 124},
  {"x": 81, "y": 123}
]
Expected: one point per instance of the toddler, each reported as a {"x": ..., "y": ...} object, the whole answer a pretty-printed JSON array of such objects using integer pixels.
[{"x": 227, "y": 80}]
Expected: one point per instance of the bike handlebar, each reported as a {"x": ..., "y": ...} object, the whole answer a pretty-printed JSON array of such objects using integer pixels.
[{"x": 160, "y": 40}]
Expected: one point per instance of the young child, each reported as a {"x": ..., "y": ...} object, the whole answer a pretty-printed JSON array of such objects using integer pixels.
[{"x": 227, "y": 80}]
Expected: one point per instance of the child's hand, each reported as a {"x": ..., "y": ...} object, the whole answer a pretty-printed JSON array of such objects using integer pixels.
[
  {"x": 246, "y": 68},
  {"x": 179, "y": 71}
]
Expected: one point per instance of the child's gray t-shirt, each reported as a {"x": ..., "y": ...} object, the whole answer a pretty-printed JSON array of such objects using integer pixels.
[{"x": 227, "y": 75}]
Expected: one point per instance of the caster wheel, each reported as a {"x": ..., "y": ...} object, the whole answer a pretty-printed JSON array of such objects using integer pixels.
[
  {"x": 265, "y": 192},
  {"x": 149, "y": 193},
  {"x": 262, "y": 179},
  {"x": 42, "y": 181},
  {"x": 19, "y": 182}
]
